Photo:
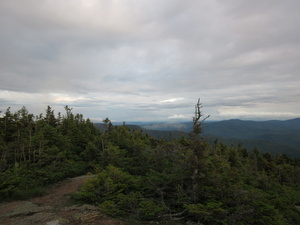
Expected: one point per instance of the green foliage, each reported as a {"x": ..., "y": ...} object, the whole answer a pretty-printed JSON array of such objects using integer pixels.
[
  {"x": 36, "y": 151},
  {"x": 149, "y": 209},
  {"x": 211, "y": 212},
  {"x": 177, "y": 180},
  {"x": 118, "y": 193},
  {"x": 29, "y": 193},
  {"x": 110, "y": 208}
]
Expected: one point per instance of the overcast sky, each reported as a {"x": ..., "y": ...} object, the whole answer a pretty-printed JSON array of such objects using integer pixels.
[{"x": 134, "y": 60}]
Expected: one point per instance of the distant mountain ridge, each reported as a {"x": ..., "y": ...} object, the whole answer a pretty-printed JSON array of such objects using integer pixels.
[{"x": 274, "y": 136}]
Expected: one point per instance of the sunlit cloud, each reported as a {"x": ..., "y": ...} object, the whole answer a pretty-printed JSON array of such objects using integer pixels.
[
  {"x": 178, "y": 117},
  {"x": 241, "y": 112},
  {"x": 63, "y": 98},
  {"x": 171, "y": 100}
]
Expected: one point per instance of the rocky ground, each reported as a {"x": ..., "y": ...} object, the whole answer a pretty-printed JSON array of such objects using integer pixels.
[{"x": 55, "y": 208}]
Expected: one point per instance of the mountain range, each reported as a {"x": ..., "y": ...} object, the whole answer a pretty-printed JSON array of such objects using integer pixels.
[{"x": 274, "y": 136}]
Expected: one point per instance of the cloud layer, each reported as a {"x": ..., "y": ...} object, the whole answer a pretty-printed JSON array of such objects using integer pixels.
[{"x": 151, "y": 60}]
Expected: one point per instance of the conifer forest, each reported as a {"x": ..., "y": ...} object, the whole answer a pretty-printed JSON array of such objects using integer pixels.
[{"x": 144, "y": 178}]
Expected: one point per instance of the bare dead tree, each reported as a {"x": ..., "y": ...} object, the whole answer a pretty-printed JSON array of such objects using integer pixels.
[
  {"x": 198, "y": 119},
  {"x": 198, "y": 146}
]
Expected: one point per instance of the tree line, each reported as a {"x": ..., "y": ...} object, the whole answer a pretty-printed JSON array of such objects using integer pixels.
[
  {"x": 140, "y": 177},
  {"x": 43, "y": 149}
]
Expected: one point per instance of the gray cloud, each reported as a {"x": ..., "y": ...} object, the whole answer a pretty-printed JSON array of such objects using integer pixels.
[{"x": 123, "y": 59}]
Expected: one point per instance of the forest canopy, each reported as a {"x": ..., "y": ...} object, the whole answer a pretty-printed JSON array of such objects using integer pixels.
[{"x": 140, "y": 177}]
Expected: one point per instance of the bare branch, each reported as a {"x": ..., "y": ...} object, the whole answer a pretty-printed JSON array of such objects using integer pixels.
[{"x": 197, "y": 120}]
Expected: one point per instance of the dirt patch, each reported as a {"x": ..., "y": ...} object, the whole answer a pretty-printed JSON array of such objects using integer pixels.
[{"x": 60, "y": 192}]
